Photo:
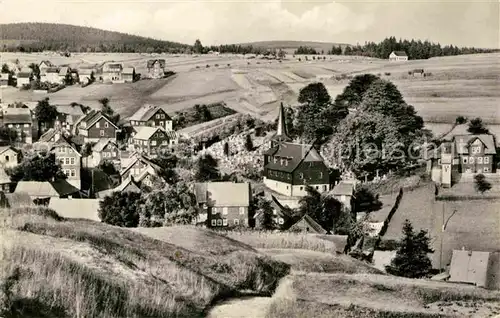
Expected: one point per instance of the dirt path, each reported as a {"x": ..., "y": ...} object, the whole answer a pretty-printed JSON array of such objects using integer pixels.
[{"x": 250, "y": 307}]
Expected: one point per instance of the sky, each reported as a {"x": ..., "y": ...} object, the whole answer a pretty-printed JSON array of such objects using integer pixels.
[{"x": 462, "y": 23}]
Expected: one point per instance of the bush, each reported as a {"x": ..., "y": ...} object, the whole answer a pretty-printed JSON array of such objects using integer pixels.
[
  {"x": 387, "y": 74},
  {"x": 228, "y": 65},
  {"x": 207, "y": 66},
  {"x": 197, "y": 66},
  {"x": 216, "y": 65}
]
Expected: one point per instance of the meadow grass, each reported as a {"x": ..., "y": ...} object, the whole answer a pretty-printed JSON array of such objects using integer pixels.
[
  {"x": 361, "y": 295},
  {"x": 78, "y": 268},
  {"x": 283, "y": 240}
]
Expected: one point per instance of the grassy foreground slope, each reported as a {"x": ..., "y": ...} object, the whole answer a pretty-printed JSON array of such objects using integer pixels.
[
  {"x": 53, "y": 267},
  {"x": 368, "y": 296}
]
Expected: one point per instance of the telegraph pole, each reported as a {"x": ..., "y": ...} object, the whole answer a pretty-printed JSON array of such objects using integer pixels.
[{"x": 443, "y": 228}]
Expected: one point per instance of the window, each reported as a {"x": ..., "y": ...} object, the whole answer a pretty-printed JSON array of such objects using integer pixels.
[
  {"x": 476, "y": 149},
  {"x": 66, "y": 161},
  {"x": 301, "y": 188},
  {"x": 242, "y": 210},
  {"x": 26, "y": 125},
  {"x": 479, "y": 159},
  {"x": 275, "y": 212},
  {"x": 10, "y": 126},
  {"x": 153, "y": 142},
  {"x": 486, "y": 169},
  {"x": 214, "y": 210},
  {"x": 72, "y": 161},
  {"x": 439, "y": 161},
  {"x": 214, "y": 222},
  {"x": 471, "y": 160},
  {"x": 224, "y": 210},
  {"x": 317, "y": 187},
  {"x": 486, "y": 160},
  {"x": 161, "y": 123},
  {"x": 73, "y": 172},
  {"x": 70, "y": 150},
  {"x": 465, "y": 160},
  {"x": 162, "y": 116},
  {"x": 224, "y": 222},
  {"x": 97, "y": 125},
  {"x": 301, "y": 175},
  {"x": 219, "y": 222},
  {"x": 236, "y": 222},
  {"x": 157, "y": 116},
  {"x": 281, "y": 221},
  {"x": 324, "y": 188},
  {"x": 114, "y": 153},
  {"x": 101, "y": 133},
  {"x": 6, "y": 158},
  {"x": 145, "y": 142},
  {"x": 106, "y": 125}
]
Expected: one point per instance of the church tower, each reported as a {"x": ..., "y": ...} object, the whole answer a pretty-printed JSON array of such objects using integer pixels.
[{"x": 281, "y": 132}]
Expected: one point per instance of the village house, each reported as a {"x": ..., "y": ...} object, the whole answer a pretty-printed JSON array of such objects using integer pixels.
[
  {"x": 104, "y": 149},
  {"x": 128, "y": 75},
  {"x": 52, "y": 135},
  {"x": 44, "y": 65},
  {"x": 152, "y": 116},
  {"x": 142, "y": 169},
  {"x": 306, "y": 224},
  {"x": 112, "y": 73},
  {"x": 344, "y": 193},
  {"x": 156, "y": 68},
  {"x": 223, "y": 204},
  {"x": 8, "y": 157},
  {"x": 68, "y": 116},
  {"x": 150, "y": 140},
  {"x": 94, "y": 126},
  {"x": 85, "y": 75},
  {"x": 50, "y": 75},
  {"x": 24, "y": 76},
  {"x": 6, "y": 184},
  {"x": 63, "y": 72},
  {"x": 464, "y": 154},
  {"x": 21, "y": 120},
  {"x": 289, "y": 167},
  {"x": 70, "y": 159},
  {"x": 4, "y": 80},
  {"x": 398, "y": 56}
]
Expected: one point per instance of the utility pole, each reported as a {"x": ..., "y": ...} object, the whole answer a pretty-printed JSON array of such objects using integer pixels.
[{"x": 443, "y": 228}]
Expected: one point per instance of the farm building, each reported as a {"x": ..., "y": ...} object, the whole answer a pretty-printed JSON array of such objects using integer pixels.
[
  {"x": 24, "y": 76},
  {"x": 398, "y": 56},
  {"x": 112, "y": 73},
  {"x": 8, "y": 157},
  {"x": 128, "y": 74},
  {"x": 344, "y": 193},
  {"x": 156, "y": 68},
  {"x": 44, "y": 65},
  {"x": 307, "y": 225},
  {"x": 223, "y": 204},
  {"x": 468, "y": 154},
  {"x": 44, "y": 190},
  {"x": 63, "y": 72},
  {"x": 4, "y": 79}
]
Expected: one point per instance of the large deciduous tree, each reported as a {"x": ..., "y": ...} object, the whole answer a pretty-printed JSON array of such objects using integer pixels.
[
  {"x": 206, "y": 169},
  {"x": 353, "y": 93},
  {"x": 476, "y": 126},
  {"x": 37, "y": 167},
  {"x": 324, "y": 209},
  {"x": 45, "y": 113},
  {"x": 121, "y": 209}
]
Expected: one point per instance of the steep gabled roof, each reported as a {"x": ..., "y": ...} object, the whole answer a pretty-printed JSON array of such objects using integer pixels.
[
  {"x": 63, "y": 71},
  {"x": 63, "y": 141},
  {"x": 399, "y": 53},
  {"x": 228, "y": 194},
  {"x": 309, "y": 222},
  {"x": 145, "y": 133},
  {"x": 146, "y": 112},
  {"x": 128, "y": 70},
  {"x": 294, "y": 154},
  {"x": 93, "y": 117},
  {"x": 5, "y": 148},
  {"x": 142, "y": 158},
  {"x": 151, "y": 63},
  {"x": 46, "y": 62},
  {"x": 462, "y": 143},
  {"x": 52, "y": 70},
  {"x": 70, "y": 110},
  {"x": 102, "y": 143},
  {"x": 343, "y": 188},
  {"x": 113, "y": 67}
]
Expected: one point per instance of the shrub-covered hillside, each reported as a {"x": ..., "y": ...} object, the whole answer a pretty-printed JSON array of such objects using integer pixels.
[{"x": 54, "y": 267}]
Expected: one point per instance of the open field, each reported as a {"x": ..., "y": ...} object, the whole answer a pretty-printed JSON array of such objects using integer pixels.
[
  {"x": 80, "y": 268},
  {"x": 457, "y": 84},
  {"x": 368, "y": 295}
]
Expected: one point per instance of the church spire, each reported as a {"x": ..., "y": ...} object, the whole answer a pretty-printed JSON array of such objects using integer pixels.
[{"x": 281, "y": 122}]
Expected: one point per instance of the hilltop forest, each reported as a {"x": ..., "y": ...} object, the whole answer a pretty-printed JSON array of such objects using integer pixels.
[{"x": 37, "y": 37}]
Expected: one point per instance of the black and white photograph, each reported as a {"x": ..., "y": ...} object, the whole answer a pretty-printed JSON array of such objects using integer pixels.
[{"x": 249, "y": 159}]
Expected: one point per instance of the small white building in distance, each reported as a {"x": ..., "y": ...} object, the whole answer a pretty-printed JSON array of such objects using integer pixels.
[{"x": 398, "y": 56}]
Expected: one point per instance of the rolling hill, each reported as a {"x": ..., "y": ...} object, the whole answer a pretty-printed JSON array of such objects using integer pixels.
[{"x": 54, "y": 37}]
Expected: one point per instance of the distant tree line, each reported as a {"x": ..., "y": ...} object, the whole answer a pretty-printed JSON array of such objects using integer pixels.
[
  {"x": 37, "y": 37},
  {"x": 414, "y": 49},
  {"x": 305, "y": 50}
]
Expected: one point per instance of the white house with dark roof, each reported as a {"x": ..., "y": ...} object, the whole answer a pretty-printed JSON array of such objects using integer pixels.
[
  {"x": 128, "y": 74},
  {"x": 398, "y": 56},
  {"x": 24, "y": 76},
  {"x": 50, "y": 75},
  {"x": 223, "y": 204},
  {"x": 44, "y": 65},
  {"x": 105, "y": 149},
  {"x": 141, "y": 168},
  {"x": 70, "y": 160},
  {"x": 85, "y": 75},
  {"x": 151, "y": 115}
]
